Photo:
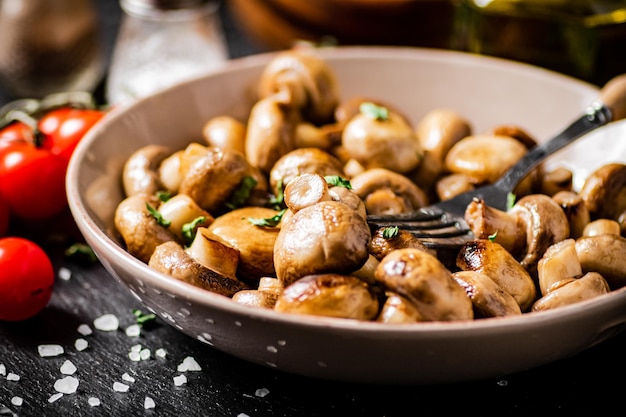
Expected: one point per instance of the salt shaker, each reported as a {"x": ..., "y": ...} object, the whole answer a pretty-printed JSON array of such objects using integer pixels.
[
  {"x": 161, "y": 42},
  {"x": 49, "y": 47}
]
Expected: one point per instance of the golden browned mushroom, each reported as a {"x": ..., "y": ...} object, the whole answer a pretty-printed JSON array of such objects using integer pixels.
[
  {"x": 331, "y": 295},
  {"x": 517, "y": 133},
  {"x": 385, "y": 240},
  {"x": 556, "y": 181},
  {"x": 140, "y": 173},
  {"x": 602, "y": 226},
  {"x": 379, "y": 138},
  {"x": 264, "y": 296},
  {"x": 493, "y": 260},
  {"x": 484, "y": 158},
  {"x": 573, "y": 291},
  {"x": 213, "y": 179},
  {"x": 559, "y": 263},
  {"x": 171, "y": 259},
  {"x": 226, "y": 133},
  {"x": 303, "y": 161},
  {"x": 387, "y": 192},
  {"x": 398, "y": 309},
  {"x": 604, "y": 191},
  {"x": 140, "y": 230},
  {"x": 255, "y": 244},
  {"x": 451, "y": 185},
  {"x": 575, "y": 210},
  {"x": 326, "y": 237},
  {"x": 439, "y": 130},
  {"x": 427, "y": 283},
  {"x": 488, "y": 298},
  {"x": 604, "y": 254},
  {"x": 270, "y": 133},
  {"x": 306, "y": 82}
]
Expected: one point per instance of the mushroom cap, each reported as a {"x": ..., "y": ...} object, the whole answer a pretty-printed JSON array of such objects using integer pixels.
[
  {"x": 226, "y": 133},
  {"x": 488, "y": 298},
  {"x": 140, "y": 173},
  {"x": 331, "y": 295},
  {"x": 326, "y": 237},
  {"x": 604, "y": 191},
  {"x": 440, "y": 129},
  {"x": 254, "y": 243},
  {"x": 381, "y": 246},
  {"x": 573, "y": 291},
  {"x": 604, "y": 254}
]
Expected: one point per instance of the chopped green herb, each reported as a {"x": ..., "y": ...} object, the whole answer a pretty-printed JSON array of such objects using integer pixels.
[
  {"x": 269, "y": 221},
  {"x": 189, "y": 229},
  {"x": 81, "y": 250},
  {"x": 390, "y": 232},
  {"x": 142, "y": 317},
  {"x": 337, "y": 181},
  {"x": 163, "y": 195},
  {"x": 159, "y": 218},
  {"x": 374, "y": 111},
  {"x": 278, "y": 202},
  {"x": 510, "y": 200},
  {"x": 493, "y": 236},
  {"x": 241, "y": 194}
]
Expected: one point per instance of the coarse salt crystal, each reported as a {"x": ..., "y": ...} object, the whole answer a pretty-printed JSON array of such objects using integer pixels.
[
  {"x": 180, "y": 380},
  {"x": 93, "y": 401},
  {"x": 3, "y": 369},
  {"x": 189, "y": 364},
  {"x": 148, "y": 403},
  {"x": 127, "y": 377},
  {"x": 242, "y": 415},
  {"x": 13, "y": 377},
  {"x": 68, "y": 368},
  {"x": 67, "y": 385},
  {"x": 161, "y": 353},
  {"x": 50, "y": 350},
  {"x": 18, "y": 401},
  {"x": 65, "y": 274},
  {"x": 144, "y": 354},
  {"x": 133, "y": 330},
  {"x": 84, "y": 329},
  {"x": 55, "y": 397},
  {"x": 134, "y": 356},
  {"x": 135, "y": 348},
  {"x": 261, "y": 392},
  {"x": 107, "y": 323},
  {"x": 81, "y": 344},
  {"x": 119, "y": 387}
]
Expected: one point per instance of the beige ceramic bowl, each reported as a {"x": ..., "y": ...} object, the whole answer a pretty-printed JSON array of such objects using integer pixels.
[{"x": 487, "y": 91}]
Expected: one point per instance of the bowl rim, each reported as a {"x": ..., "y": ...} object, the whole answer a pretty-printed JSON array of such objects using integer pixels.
[{"x": 97, "y": 237}]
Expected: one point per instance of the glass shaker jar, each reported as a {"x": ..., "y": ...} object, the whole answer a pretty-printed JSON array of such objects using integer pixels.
[
  {"x": 582, "y": 38},
  {"x": 161, "y": 42},
  {"x": 49, "y": 47}
]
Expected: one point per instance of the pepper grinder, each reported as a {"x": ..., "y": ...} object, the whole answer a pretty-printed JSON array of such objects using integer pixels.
[
  {"x": 162, "y": 42},
  {"x": 49, "y": 47}
]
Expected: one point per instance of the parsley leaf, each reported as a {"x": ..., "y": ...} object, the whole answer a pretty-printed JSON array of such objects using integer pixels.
[
  {"x": 241, "y": 194},
  {"x": 269, "y": 221},
  {"x": 390, "y": 232},
  {"x": 337, "y": 181},
  {"x": 189, "y": 229},
  {"x": 159, "y": 218},
  {"x": 374, "y": 111}
]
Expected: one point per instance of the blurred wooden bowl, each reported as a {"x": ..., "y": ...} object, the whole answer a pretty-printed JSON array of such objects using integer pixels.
[{"x": 278, "y": 24}]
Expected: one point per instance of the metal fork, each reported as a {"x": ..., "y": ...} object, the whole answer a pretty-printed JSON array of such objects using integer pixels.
[{"x": 442, "y": 225}]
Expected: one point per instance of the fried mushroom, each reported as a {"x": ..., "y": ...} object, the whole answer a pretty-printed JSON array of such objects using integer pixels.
[{"x": 140, "y": 173}]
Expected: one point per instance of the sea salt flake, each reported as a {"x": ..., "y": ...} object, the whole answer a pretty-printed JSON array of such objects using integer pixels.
[
  {"x": 148, "y": 403},
  {"x": 107, "y": 323},
  {"x": 3, "y": 369},
  {"x": 133, "y": 330},
  {"x": 65, "y": 274},
  {"x": 84, "y": 329},
  {"x": 18, "y": 401},
  {"x": 127, "y": 377},
  {"x": 135, "y": 348},
  {"x": 180, "y": 380},
  {"x": 134, "y": 356},
  {"x": 242, "y": 415},
  {"x": 68, "y": 368},
  {"x": 144, "y": 354},
  {"x": 93, "y": 401},
  {"x": 13, "y": 377},
  {"x": 67, "y": 385},
  {"x": 55, "y": 397},
  {"x": 46, "y": 351},
  {"x": 189, "y": 364},
  {"x": 161, "y": 353},
  {"x": 81, "y": 344},
  {"x": 119, "y": 387},
  {"x": 261, "y": 392}
]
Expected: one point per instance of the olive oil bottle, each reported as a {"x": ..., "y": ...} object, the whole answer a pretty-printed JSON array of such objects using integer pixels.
[{"x": 582, "y": 38}]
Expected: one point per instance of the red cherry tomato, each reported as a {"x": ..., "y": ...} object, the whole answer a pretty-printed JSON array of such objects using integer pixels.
[
  {"x": 13, "y": 133},
  {"x": 64, "y": 127},
  {"x": 26, "y": 279},
  {"x": 32, "y": 181},
  {"x": 4, "y": 217}
]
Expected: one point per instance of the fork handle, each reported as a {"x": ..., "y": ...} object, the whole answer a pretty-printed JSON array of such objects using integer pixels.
[{"x": 611, "y": 106}]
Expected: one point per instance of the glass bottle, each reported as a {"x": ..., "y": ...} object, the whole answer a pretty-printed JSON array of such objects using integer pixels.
[
  {"x": 161, "y": 42},
  {"x": 49, "y": 46},
  {"x": 582, "y": 38}
]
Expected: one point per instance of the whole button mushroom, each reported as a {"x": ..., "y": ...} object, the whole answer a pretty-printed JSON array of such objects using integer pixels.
[
  {"x": 604, "y": 191},
  {"x": 379, "y": 138},
  {"x": 427, "y": 283},
  {"x": 604, "y": 254},
  {"x": 439, "y": 130},
  {"x": 140, "y": 173},
  {"x": 398, "y": 309},
  {"x": 488, "y": 298},
  {"x": 330, "y": 295},
  {"x": 575, "y": 210},
  {"x": 226, "y": 133},
  {"x": 327, "y": 237},
  {"x": 573, "y": 291}
]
